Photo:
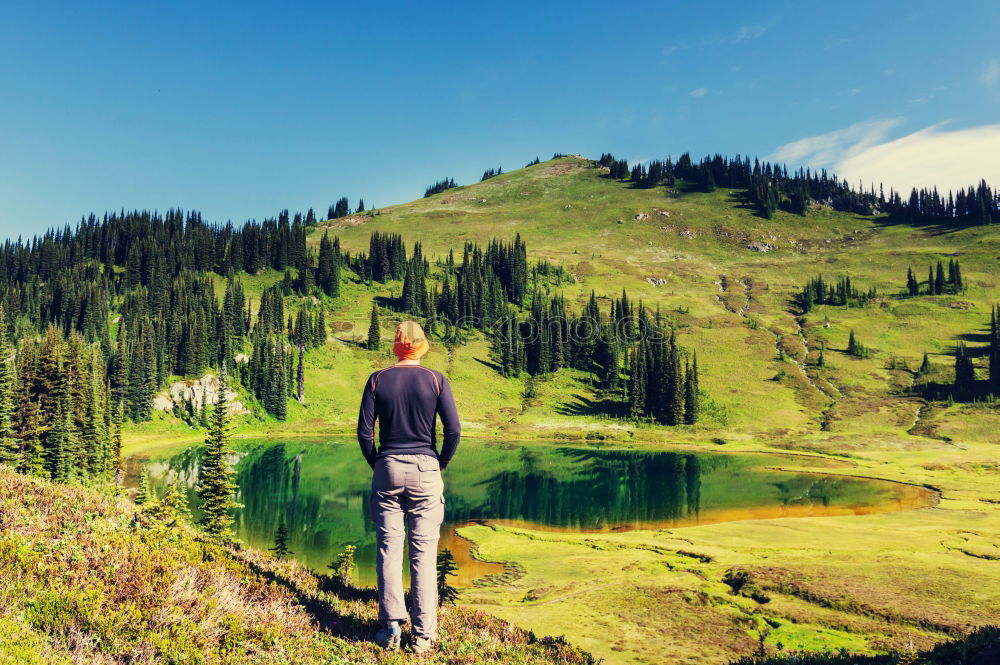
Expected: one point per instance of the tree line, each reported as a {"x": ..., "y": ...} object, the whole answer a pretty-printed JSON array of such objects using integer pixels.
[
  {"x": 771, "y": 187},
  {"x": 817, "y": 291},
  {"x": 632, "y": 355},
  {"x": 937, "y": 284}
]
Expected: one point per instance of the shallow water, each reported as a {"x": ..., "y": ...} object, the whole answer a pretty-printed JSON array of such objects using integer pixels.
[{"x": 320, "y": 491}]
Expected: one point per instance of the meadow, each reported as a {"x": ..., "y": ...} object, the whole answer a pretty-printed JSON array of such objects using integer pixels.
[{"x": 866, "y": 583}]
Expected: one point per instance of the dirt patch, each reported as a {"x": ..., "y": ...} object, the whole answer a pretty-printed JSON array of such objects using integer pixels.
[
  {"x": 558, "y": 169},
  {"x": 347, "y": 222}
]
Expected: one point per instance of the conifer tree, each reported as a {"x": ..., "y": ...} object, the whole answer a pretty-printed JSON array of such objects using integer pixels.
[
  {"x": 374, "y": 334},
  {"x": 925, "y": 365},
  {"x": 912, "y": 287},
  {"x": 144, "y": 492},
  {"x": 965, "y": 372},
  {"x": 216, "y": 487},
  {"x": 691, "y": 392},
  {"x": 446, "y": 567},
  {"x": 10, "y": 451},
  {"x": 674, "y": 398},
  {"x": 172, "y": 509},
  {"x": 343, "y": 566},
  {"x": 856, "y": 348},
  {"x": 637, "y": 385},
  {"x": 281, "y": 549},
  {"x": 300, "y": 377}
]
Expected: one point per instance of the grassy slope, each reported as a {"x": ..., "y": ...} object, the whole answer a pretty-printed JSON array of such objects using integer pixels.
[
  {"x": 859, "y": 582},
  {"x": 83, "y": 581}
]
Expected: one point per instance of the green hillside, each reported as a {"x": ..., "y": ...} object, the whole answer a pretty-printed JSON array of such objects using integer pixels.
[{"x": 730, "y": 303}]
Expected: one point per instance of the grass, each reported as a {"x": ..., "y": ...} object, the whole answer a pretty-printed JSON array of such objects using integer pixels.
[
  {"x": 981, "y": 647},
  {"x": 865, "y": 583},
  {"x": 87, "y": 577}
]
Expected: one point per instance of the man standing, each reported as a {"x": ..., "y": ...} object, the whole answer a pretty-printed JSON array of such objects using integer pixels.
[{"x": 405, "y": 399}]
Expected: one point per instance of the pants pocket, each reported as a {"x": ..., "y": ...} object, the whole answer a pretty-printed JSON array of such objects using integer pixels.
[{"x": 430, "y": 472}]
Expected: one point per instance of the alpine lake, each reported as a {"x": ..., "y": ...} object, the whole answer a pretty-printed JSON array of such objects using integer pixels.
[{"x": 320, "y": 491}]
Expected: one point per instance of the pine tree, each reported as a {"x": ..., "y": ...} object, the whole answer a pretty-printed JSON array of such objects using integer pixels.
[
  {"x": 939, "y": 280},
  {"x": 446, "y": 567},
  {"x": 691, "y": 392},
  {"x": 172, "y": 509},
  {"x": 343, "y": 566},
  {"x": 374, "y": 335},
  {"x": 912, "y": 287},
  {"x": 10, "y": 450},
  {"x": 115, "y": 458},
  {"x": 674, "y": 398},
  {"x": 856, "y": 348},
  {"x": 637, "y": 385},
  {"x": 300, "y": 377},
  {"x": 144, "y": 492},
  {"x": 281, "y": 549},
  {"x": 965, "y": 372},
  {"x": 216, "y": 487},
  {"x": 994, "y": 350}
]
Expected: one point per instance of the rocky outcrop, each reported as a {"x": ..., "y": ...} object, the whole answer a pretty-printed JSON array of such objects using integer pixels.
[
  {"x": 758, "y": 246},
  {"x": 197, "y": 392}
]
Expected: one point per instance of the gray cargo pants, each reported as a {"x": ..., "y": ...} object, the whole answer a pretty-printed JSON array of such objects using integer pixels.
[{"x": 408, "y": 486}]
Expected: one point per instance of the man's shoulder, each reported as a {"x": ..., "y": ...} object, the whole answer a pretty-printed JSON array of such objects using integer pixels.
[{"x": 374, "y": 376}]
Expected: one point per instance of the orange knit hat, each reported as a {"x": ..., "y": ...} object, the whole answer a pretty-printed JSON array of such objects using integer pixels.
[{"x": 411, "y": 342}]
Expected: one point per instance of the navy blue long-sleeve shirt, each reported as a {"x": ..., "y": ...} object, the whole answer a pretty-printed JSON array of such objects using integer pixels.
[{"x": 406, "y": 399}]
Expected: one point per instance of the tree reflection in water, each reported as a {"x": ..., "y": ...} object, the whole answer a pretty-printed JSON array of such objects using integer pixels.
[{"x": 320, "y": 491}]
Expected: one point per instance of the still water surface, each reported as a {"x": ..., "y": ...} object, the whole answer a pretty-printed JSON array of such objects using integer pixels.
[{"x": 320, "y": 491}]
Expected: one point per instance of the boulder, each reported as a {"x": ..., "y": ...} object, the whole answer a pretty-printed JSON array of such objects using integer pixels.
[
  {"x": 758, "y": 246},
  {"x": 198, "y": 392}
]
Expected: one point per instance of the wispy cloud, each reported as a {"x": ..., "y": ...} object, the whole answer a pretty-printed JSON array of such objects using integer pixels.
[
  {"x": 747, "y": 32},
  {"x": 669, "y": 51},
  {"x": 698, "y": 92},
  {"x": 826, "y": 150},
  {"x": 991, "y": 74},
  {"x": 930, "y": 157}
]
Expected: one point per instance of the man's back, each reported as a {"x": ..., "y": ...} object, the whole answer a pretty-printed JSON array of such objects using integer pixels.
[{"x": 406, "y": 400}]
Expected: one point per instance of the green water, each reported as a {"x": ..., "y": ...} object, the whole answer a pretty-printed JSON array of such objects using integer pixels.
[{"x": 320, "y": 491}]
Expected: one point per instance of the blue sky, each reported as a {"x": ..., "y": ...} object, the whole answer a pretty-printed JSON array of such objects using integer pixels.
[{"x": 240, "y": 110}]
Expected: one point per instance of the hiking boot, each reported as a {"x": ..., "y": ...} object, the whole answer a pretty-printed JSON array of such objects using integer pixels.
[
  {"x": 421, "y": 645},
  {"x": 388, "y": 636}
]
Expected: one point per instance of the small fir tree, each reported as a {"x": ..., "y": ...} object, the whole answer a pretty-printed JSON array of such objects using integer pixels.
[
  {"x": 374, "y": 336},
  {"x": 216, "y": 487},
  {"x": 343, "y": 566},
  {"x": 446, "y": 567},
  {"x": 143, "y": 493},
  {"x": 281, "y": 549}
]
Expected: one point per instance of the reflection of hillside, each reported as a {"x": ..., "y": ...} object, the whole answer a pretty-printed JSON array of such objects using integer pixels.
[
  {"x": 606, "y": 488},
  {"x": 321, "y": 491}
]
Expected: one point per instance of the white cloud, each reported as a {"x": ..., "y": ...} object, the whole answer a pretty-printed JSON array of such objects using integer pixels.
[
  {"x": 825, "y": 150},
  {"x": 698, "y": 92},
  {"x": 931, "y": 157},
  {"x": 747, "y": 32},
  {"x": 991, "y": 74}
]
